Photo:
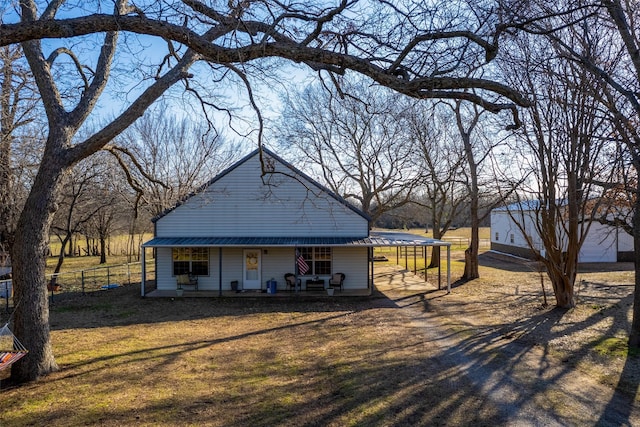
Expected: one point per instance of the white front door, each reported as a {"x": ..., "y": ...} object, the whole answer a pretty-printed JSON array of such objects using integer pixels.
[{"x": 252, "y": 267}]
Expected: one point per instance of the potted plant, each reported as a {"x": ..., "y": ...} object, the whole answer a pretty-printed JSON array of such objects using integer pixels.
[{"x": 179, "y": 290}]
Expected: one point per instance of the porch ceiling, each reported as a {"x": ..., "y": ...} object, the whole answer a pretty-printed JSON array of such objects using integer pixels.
[{"x": 376, "y": 239}]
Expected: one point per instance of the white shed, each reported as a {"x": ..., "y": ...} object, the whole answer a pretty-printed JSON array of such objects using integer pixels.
[{"x": 603, "y": 243}]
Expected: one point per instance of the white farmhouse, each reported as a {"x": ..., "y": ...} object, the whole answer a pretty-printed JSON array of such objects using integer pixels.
[
  {"x": 246, "y": 229},
  {"x": 603, "y": 243}
]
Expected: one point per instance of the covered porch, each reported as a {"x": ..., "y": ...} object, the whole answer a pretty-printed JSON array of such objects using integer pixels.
[{"x": 358, "y": 287}]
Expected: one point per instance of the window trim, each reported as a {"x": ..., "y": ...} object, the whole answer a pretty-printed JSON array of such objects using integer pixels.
[
  {"x": 190, "y": 259},
  {"x": 318, "y": 254}
]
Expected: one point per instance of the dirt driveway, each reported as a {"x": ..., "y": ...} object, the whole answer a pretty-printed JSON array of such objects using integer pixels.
[{"x": 536, "y": 365}]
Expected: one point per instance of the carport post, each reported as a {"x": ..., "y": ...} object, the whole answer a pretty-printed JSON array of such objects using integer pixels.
[
  {"x": 440, "y": 268},
  {"x": 406, "y": 258},
  {"x": 424, "y": 259},
  {"x": 143, "y": 278},
  {"x": 449, "y": 269},
  {"x": 415, "y": 261}
]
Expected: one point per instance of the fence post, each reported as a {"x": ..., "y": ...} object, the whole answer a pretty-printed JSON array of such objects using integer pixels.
[
  {"x": 128, "y": 274},
  {"x": 108, "y": 276},
  {"x": 82, "y": 281}
]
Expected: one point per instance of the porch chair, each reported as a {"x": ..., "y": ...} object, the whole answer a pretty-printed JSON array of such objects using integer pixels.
[
  {"x": 336, "y": 280},
  {"x": 290, "y": 280},
  {"x": 188, "y": 280}
]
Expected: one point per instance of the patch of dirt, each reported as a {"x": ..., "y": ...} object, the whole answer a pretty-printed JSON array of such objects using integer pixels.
[{"x": 574, "y": 354}]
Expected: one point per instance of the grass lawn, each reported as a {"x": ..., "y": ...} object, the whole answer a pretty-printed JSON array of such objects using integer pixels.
[
  {"x": 233, "y": 363},
  {"x": 337, "y": 362}
]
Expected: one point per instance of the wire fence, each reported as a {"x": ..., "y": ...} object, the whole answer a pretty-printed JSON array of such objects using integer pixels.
[
  {"x": 466, "y": 242},
  {"x": 84, "y": 281}
]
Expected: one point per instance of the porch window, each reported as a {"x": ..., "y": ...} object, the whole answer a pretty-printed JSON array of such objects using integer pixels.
[
  {"x": 319, "y": 260},
  {"x": 191, "y": 260}
]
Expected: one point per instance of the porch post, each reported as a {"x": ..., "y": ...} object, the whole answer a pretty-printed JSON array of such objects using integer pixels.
[
  {"x": 220, "y": 271},
  {"x": 143, "y": 278},
  {"x": 371, "y": 284},
  {"x": 295, "y": 271}
]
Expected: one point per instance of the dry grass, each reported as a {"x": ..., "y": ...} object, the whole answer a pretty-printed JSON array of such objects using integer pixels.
[
  {"x": 266, "y": 362},
  {"x": 244, "y": 362}
]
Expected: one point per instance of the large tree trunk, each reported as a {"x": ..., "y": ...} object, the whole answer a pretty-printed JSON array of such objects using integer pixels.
[
  {"x": 471, "y": 263},
  {"x": 103, "y": 249},
  {"x": 435, "y": 250},
  {"x": 63, "y": 245},
  {"x": 634, "y": 334},
  {"x": 31, "y": 322},
  {"x": 563, "y": 288}
]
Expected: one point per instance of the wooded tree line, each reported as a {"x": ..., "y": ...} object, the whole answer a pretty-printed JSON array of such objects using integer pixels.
[
  {"x": 146, "y": 170},
  {"x": 504, "y": 100}
]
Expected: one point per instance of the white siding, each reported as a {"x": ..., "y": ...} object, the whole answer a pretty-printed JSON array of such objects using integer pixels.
[
  {"x": 164, "y": 274},
  {"x": 601, "y": 244},
  {"x": 625, "y": 241},
  {"x": 508, "y": 233},
  {"x": 240, "y": 204},
  {"x": 353, "y": 262}
]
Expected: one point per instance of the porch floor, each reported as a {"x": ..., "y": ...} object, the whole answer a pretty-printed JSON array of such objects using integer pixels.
[
  {"x": 260, "y": 294},
  {"x": 385, "y": 277}
]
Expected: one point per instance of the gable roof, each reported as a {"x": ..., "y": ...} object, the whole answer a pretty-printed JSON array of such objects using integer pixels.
[{"x": 257, "y": 152}]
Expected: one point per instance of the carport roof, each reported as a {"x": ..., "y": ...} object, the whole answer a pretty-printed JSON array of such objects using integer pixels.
[{"x": 376, "y": 239}]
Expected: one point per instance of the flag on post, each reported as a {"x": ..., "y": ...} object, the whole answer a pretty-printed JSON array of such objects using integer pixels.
[{"x": 303, "y": 267}]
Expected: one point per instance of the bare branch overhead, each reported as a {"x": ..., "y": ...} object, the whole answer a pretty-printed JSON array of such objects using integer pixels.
[{"x": 399, "y": 59}]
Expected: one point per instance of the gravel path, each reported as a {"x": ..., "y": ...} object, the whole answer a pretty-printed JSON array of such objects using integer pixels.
[{"x": 528, "y": 384}]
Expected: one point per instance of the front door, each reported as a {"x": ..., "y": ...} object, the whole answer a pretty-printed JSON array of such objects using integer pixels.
[{"x": 252, "y": 267}]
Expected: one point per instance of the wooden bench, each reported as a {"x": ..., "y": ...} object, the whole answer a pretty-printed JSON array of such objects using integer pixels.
[
  {"x": 187, "y": 280},
  {"x": 315, "y": 284}
]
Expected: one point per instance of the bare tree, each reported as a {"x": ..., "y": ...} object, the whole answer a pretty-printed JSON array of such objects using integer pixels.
[
  {"x": 105, "y": 206},
  {"x": 442, "y": 163},
  {"x": 410, "y": 48},
  {"x": 167, "y": 158},
  {"x": 17, "y": 108},
  {"x": 565, "y": 134},
  {"x": 354, "y": 137},
  {"x": 602, "y": 38},
  {"x": 79, "y": 204},
  {"x": 477, "y": 148}
]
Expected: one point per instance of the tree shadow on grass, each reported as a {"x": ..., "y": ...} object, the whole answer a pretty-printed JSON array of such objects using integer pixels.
[
  {"x": 442, "y": 372},
  {"x": 500, "y": 360},
  {"x": 416, "y": 367}
]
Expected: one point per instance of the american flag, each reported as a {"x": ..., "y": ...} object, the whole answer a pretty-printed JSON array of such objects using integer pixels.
[{"x": 303, "y": 267}]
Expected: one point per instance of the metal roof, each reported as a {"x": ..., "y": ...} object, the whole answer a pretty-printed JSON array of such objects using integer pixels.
[{"x": 375, "y": 239}]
